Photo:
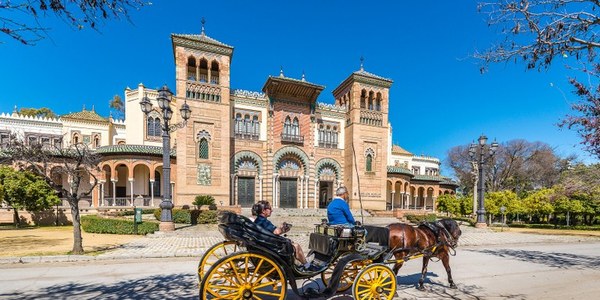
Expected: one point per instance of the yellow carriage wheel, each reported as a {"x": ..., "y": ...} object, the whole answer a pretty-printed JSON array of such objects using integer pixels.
[
  {"x": 375, "y": 282},
  {"x": 351, "y": 270},
  {"x": 214, "y": 253},
  {"x": 244, "y": 276}
]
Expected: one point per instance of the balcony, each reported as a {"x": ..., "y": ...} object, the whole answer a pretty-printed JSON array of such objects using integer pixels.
[
  {"x": 324, "y": 144},
  {"x": 246, "y": 136},
  {"x": 292, "y": 138}
]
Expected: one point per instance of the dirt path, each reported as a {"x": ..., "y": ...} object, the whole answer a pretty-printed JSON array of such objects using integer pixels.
[{"x": 54, "y": 241}]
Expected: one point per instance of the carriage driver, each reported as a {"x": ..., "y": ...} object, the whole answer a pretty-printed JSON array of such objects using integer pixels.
[
  {"x": 338, "y": 211},
  {"x": 262, "y": 210}
]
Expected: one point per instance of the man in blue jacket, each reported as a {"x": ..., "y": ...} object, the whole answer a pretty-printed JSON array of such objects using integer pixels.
[{"x": 338, "y": 211}]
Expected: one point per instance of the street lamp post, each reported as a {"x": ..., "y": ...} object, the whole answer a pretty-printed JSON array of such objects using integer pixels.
[
  {"x": 164, "y": 103},
  {"x": 478, "y": 152}
]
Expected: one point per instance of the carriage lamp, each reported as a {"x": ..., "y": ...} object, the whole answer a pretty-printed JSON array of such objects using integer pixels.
[
  {"x": 481, "y": 154},
  {"x": 164, "y": 104}
]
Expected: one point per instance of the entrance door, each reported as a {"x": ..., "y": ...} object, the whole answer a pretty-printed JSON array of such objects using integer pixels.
[
  {"x": 325, "y": 193},
  {"x": 245, "y": 191},
  {"x": 288, "y": 192}
]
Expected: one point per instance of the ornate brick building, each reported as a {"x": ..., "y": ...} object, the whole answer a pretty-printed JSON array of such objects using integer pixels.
[{"x": 280, "y": 144}]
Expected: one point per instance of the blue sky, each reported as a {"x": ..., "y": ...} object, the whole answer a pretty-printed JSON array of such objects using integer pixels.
[{"x": 438, "y": 100}]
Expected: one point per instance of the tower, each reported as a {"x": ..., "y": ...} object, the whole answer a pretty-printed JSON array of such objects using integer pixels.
[
  {"x": 366, "y": 98},
  {"x": 202, "y": 72}
]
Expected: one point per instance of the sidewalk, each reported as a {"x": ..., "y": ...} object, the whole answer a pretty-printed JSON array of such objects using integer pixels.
[{"x": 193, "y": 241}]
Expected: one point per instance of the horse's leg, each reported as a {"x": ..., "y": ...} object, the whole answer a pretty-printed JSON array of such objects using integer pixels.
[
  {"x": 446, "y": 262},
  {"x": 399, "y": 262},
  {"x": 423, "y": 273}
]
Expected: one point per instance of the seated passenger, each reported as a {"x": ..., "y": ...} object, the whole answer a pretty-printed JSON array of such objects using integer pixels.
[
  {"x": 338, "y": 211},
  {"x": 262, "y": 210}
]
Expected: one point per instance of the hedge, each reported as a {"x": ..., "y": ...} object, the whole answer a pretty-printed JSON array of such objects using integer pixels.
[
  {"x": 95, "y": 224},
  {"x": 420, "y": 218},
  {"x": 185, "y": 216},
  {"x": 552, "y": 226},
  {"x": 131, "y": 212}
]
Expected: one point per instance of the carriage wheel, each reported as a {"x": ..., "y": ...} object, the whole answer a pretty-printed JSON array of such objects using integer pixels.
[
  {"x": 245, "y": 276},
  {"x": 351, "y": 270},
  {"x": 375, "y": 282},
  {"x": 215, "y": 252}
]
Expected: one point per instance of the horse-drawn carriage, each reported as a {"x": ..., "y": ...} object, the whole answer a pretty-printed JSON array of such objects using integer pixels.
[{"x": 256, "y": 264}]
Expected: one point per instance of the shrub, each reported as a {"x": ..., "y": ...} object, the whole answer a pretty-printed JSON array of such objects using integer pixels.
[
  {"x": 131, "y": 212},
  {"x": 212, "y": 207},
  {"x": 181, "y": 216},
  {"x": 421, "y": 218},
  {"x": 208, "y": 217},
  {"x": 95, "y": 224},
  {"x": 203, "y": 200}
]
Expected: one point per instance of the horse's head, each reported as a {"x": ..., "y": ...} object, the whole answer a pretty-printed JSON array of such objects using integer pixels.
[{"x": 453, "y": 229}]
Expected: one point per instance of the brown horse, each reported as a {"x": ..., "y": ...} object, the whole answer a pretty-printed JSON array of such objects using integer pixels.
[{"x": 431, "y": 239}]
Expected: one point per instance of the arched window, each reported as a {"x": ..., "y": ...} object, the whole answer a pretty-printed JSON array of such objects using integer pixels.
[
  {"x": 191, "y": 68},
  {"x": 255, "y": 126},
  {"x": 363, "y": 99},
  {"x": 153, "y": 127},
  {"x": 75, "y": 138},
  {"x": 203, "y": 148},
  {"x": 378, "y": 102},
  {"x": 214, "y": 72},
  {"x": 96, "y": 141},
  {"x": 296, "y": 127},
  {"x": 369, "y": 163},
  {"x": 247, "y": 125},
  {"x": 203, "y": 71},
  {"x": 371, "y": 96},
  {"x": 287, "y": 126},
  {"x": 156, "y": 184}
]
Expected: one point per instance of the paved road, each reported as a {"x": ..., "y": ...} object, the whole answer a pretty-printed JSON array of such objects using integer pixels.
[{"x": 511, "y": 271}]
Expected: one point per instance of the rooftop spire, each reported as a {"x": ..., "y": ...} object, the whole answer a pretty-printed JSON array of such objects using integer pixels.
[
  {"x": 281, "y": 72},
  {"x": 15, "y": 111},
  {"x": 303, "y": 76},
  {"x": 362, "y": 60},
  {"x": 203, "y": 21}
]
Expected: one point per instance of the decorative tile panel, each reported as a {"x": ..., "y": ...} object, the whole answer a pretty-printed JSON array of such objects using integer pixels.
[{"x": 204, "y": 176}]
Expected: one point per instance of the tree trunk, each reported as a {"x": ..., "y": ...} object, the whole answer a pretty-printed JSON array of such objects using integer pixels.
[
  {"x": 77, "y": 239},
  {"x": 16, "y": 217}
]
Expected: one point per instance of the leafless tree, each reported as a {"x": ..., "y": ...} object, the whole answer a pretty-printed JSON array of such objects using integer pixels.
[
  {"x": 21, "y": 20},
  {"x": 536, "y": 32},
  {"x": 518, "y": 165},
  {"x": 76, "y": 162}
]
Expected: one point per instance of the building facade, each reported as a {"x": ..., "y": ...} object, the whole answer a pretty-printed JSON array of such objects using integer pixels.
[{"x": 279, "y": 144}]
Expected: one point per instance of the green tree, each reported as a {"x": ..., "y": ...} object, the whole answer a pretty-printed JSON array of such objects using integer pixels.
[
  {"x": 539, "y": 204},
  {"x": 25, "y": 190},
  {"x": 22, "y": 20},
  {"x": 566, "y": 206},
  {"x": 466, "y": 204},
  {"x": 448, "y": 203},
  {"x": 117, "y": 105},
  {"x": 38, "y": 112}
]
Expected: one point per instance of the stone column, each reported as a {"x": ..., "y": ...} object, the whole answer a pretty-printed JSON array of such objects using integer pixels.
[
  {"x": 232, "y": 191},
  {"x": 260, "y": 187},
  {"x": 301, "y": 191},
  {"x": 101, "y": 202},
  {"x": 131, "y": 187},
  {"x": 151, "y": 192},
  {"x": 315, "y": 193},
  {"x": 114, "y": 194},
  {"x": 392, "y": 193}
]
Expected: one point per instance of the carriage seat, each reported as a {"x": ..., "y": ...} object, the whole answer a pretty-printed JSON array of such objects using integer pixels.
[
  {"x": 378, "y": 235},
  {"x": 236, "y": 227}
]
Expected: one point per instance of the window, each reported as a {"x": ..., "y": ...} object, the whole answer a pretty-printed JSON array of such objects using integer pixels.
[
  {"x": 378, "y": 102},
  {"x": 203, "y": 70},
  {"x": 214, "y": 72},
  {"x": 96, "y": 141},
  {"x": 203, "y": 149},
  {"x": 287, "y": 126},
  {"x": 363, "y": 99},
  {"x": 295, "y": 127},
  {"x": 248, "y": 126},
  {"x": 328, "y": 136},
  {"x": 45, "y": 141},
  {"x": 4, "y": 139},
  {"x": 369, "y": 163},
  {"x": 416, "y": 170},
  {"x": 371, "y": 100},
  {"x": 191, "y": 68},
  {"x": 75, "y": 139},
  {"x": 153, "y": 128}
]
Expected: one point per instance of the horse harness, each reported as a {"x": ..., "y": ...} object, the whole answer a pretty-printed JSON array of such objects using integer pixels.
[{"x": 436, "y": 228}]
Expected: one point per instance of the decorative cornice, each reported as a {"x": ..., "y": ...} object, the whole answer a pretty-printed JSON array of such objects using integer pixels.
[
  {"x": 201, "y": 42},
  {"x": 399, "y": 170},
  {"x": 133, "y": 149}
]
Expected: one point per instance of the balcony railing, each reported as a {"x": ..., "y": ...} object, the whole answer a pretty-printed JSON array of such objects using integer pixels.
[
  {"x": 292, "y": 138},
  {"x": 246, "y": 136},
  {"x": 324, "y": 144}
]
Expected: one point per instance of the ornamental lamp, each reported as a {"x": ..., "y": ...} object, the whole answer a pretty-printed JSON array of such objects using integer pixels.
[{"x": 146, "y": 105}]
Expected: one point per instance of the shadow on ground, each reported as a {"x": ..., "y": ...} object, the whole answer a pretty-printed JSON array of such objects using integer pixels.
[
  {"x": 552, "y": 259},
  {"x": 175, "y": 286}
]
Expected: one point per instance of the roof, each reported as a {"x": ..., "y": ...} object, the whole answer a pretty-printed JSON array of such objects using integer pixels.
[
  {"x": 448, "y": 181},
  {"x": 281, "y": 85},
  {"x": 362, "y": 72},
  {"x": 133, "y": 149},
  {"x": 399, "y": 170},
  {"x": 85, "y": 115},
  {"x": 399, "y": 150},
  {"x": 429, "y": 178},
  {"x": 201, "y": 42}
]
